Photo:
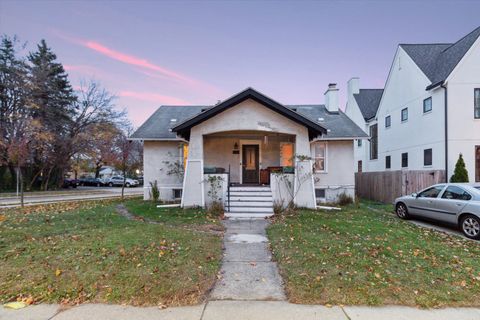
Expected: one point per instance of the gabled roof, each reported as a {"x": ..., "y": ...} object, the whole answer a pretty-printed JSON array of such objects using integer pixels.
[
  {"x": 368, "y": 101},
  {"x": 159, "y": 126},
  {"x": 437, "y": 61},
  {"x": 314, "y": 129}
]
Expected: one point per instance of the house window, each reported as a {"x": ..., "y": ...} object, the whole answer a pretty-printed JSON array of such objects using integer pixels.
[
  {"x": 286, "y": 154},
  {"x": 320, "y": 193},
  {"x": 177, "y": 193},
  {"x": 405, "y": 160},
  {"x": 388, "y": 162},
  {"x": 184, "y": 155},
  {"x": 427, "y": 157},
  {"x": 359, "y": 166},
  {"x": 359, "y": 142},
  {"x": 427, "y": 105},
  {"x": 477, "y": 103},
  {"x": 388, "y": 121},
  {"x": 320, "y": 155},
  {"x": 373, "y": 142},
  {"x": 404, "y": 114}
]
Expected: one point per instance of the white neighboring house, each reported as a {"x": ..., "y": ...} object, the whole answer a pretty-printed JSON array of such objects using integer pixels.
[
  {"x": 251, "y": 136},
  {"x": 429, "y": 110}
]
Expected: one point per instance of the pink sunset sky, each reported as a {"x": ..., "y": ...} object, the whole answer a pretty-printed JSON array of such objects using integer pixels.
[{"x": 152, "y": 53}]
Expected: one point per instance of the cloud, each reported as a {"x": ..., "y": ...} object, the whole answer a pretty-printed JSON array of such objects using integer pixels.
[
  {"x": 152, "y": 97},
  {"x": 151, "y": 69}
]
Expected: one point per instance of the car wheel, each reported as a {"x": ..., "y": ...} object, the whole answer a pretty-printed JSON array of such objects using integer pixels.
[
  {"x": 402, "y": 211},
  {"x": 127, "y": 185},
  {"x": 470, "y": 226},
  {"x": 98, "y": 184},
  {"x": 110, "y": 184}
]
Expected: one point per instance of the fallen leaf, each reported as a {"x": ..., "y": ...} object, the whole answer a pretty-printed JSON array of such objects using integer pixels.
[{"x": 58, "y": 272}]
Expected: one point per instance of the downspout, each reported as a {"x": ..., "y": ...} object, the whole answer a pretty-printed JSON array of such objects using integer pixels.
[{"x": 446, "y": 132}]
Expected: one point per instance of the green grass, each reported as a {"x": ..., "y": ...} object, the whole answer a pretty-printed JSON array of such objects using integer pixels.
[
  {"x": 171, "y": 216},
  {"x": 360, "y": 256},
  {"x": 86, "y": 252}
]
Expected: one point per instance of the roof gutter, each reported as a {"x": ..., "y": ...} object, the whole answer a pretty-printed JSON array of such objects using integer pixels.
[
  {"x": 446, "y": 131},
  {"x": 436, "y": 84}
]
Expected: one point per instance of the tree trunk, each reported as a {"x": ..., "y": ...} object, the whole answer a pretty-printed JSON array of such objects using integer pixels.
[
  {"x": 21, "y": 187},
  {"x": 97, "y": 171},
  {"x": 123, "y": 185},
  {"x": 47, "y": 179}
]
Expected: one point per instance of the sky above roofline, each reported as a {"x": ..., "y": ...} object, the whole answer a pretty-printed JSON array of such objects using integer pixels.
[{"x": 196, "y": 53}]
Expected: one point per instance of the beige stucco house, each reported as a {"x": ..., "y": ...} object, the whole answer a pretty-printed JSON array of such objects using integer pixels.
[{"x": 250, "y": 152}]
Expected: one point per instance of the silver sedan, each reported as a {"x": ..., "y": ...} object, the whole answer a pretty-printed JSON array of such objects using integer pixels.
[{"x": 454, "y": 203}]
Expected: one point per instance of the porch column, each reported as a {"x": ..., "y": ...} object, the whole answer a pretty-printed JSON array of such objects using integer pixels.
[
  {"x": 304, "y": 187},
  {"x": 193, "y": 193}
]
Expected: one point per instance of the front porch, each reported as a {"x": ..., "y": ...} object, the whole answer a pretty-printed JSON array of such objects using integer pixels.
[{"x": 250, "y": 157}]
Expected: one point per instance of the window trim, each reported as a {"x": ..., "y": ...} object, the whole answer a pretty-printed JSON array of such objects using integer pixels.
[
  {"x": 325, "y": 162},
  {"x": 431, "y": 105},
  {"x": 402, "y": 160},
  {"x": 389, "y": 121},
  {"x": 401, "y": 115},
  {"x": 431, "y": 157},
  {"x": 475, "y": 108}
]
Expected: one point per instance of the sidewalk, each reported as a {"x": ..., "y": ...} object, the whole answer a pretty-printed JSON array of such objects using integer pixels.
[{"x": 236, "y": 310}]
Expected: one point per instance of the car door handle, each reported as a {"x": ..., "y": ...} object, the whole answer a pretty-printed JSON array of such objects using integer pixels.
[{"x": 459, "y": 204}]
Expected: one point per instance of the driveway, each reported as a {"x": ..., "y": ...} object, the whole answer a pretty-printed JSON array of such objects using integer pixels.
[{"x": 10, "y": 200}]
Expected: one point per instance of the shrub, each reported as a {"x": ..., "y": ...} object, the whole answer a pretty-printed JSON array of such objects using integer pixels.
[
  {"x": 154, "y": 191},
  {"x": 460, "y": 174},
  {"x": 216, "y": 209},
  {"x": 344, "y": 199},
  {"x": 277, "y": 208}
]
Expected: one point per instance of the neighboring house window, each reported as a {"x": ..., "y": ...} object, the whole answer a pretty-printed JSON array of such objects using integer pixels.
[
  {"x": 373, "y": 142},
  {"x": 404, "y": 160},
  {"x": 427, "y": 105},
  {"x": 320, "y": 193},
  {"x": 427, "y": 157},
  {"x": 360, "y": 167},
  {"x": 477, "y": 103},
  {"x": 320, "y": 155},
  {"x": 404, "y": 114},
  {"x": 388, "y": 162},
  {"x": 286, "y": 154},
  {"x": 359, "y": 142},
  {"x": 388, "y": 121}
]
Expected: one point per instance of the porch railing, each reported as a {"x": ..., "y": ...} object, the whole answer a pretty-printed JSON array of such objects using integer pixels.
[{"x": 228, "y": 189}]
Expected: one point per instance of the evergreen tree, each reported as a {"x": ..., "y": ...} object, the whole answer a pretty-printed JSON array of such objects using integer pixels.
[
  {"x": 53, "y": 103},
  {"x": 460, "y": 174},
  {"x": 13, "y": 109}
]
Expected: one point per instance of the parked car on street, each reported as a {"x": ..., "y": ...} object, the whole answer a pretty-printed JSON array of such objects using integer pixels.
[
  {"x": 453, "y": 203},
  {"x": 89, "y": 181},
  {"x": 70, "y": 183},
  {"x": 118, "y": 181}
]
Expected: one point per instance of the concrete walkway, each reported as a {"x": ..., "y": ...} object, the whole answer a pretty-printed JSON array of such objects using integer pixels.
[{"x": 248, "y": 272}]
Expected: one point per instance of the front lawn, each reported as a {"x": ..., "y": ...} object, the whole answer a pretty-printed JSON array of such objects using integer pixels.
[
  {"x": 87, "y": 252},
  {"x": 360, "y": 256}
]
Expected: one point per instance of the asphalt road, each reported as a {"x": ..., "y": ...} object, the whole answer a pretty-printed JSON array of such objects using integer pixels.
[{"x": 9, "y": 200}]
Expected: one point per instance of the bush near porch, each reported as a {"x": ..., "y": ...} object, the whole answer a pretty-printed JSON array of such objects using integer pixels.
[
  {"x": 360, "y": 256},
  {"x": 87, "y": 252}
]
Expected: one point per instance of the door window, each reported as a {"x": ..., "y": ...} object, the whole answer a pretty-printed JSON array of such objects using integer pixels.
[
  {"x": 251, "y": 161},
  {"x": 432, "y": 192},
  {"x": 456, "y": 193}
]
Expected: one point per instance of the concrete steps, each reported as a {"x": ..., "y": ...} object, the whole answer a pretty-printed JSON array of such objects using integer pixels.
[{"x": 249, "y": 202}]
